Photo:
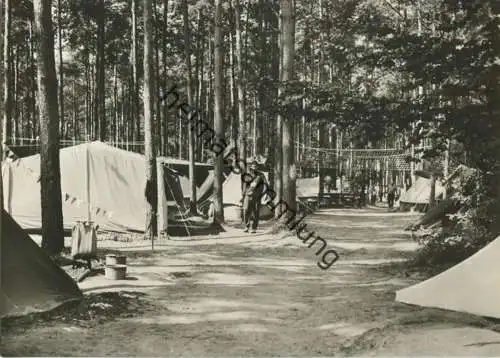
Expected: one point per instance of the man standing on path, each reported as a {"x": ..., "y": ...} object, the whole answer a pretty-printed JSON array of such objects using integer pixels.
[{"x": 253, "y": 186}]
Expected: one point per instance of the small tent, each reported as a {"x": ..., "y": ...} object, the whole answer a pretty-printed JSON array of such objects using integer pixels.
[
  {"x": 472, "y": 286},
  {"x": 112, "y": 180},
  {"x": 30, "y": 280},
  {"x": 420, "y": 192}
]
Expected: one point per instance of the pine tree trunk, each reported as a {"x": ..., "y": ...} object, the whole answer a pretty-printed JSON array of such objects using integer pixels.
[
  {"x": 191, "y": 144},
  {"x": 50, "y": 175},
  {"x": 218, "y": 119},
  {"x": 15, "y": 99},
  {"x": 135, "y": 121},
  {"x": 61, "y": 74},
  {"x": 115, "y": 106},
  {"x": 149, "y": 145},
  {"x": 7, "y": 92},
  {"x": 164, "y": 60},
  {"x": 201, "y": 82},
  {"x": 180, "y": 143},
  {"x": 2, "y": 79},
  {"x": 100, "y": 76},
  {"x": 76, "y": 132},
  {"x": 288, "y": 44},
  {"x": 242, "y": 135},
  {"x": 32, "y": 83}
]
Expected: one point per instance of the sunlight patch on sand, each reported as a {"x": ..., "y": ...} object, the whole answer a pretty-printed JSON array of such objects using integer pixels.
[
  {"x": 211, "y": 305},
  {"x": 344, "y": 329},
  {"x": 392, "y": 282},
  {"x": 368, "y": 261},
  {"x": 361, "y": 212},
  {"x": 400, "y": 246},
  {"x": 229, "y": 279},
  {"x": 248, "y": 327},
  {"x": 349, "y": 224},
  {"x": 196, "y": 318}
]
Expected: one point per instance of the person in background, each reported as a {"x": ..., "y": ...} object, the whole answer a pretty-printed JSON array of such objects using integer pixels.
[
  {"x": 373, "y": 196},
  {"x": 252, "y": 192},
  {"x": 391, "y": 196}
]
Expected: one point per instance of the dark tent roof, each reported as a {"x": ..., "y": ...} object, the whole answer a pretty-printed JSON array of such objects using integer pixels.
[{"x": 31, "y": 281}]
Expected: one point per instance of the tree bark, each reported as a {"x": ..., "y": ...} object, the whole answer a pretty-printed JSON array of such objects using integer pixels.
[
  {"x": 189, "y": 79},
  {"x": 50, "y": 175},
  {"x": 135, "y": 122},
  {"x": 100, "y": 75},
  {"x": 7, "y": 92},
  {"x": 242, "y": 135},
  {"x": 149, "y": 145},
  {"x": 164, "y": 59},
  {"x": 157, "y": 99},
  {"x": 201, "y": 83},
  {"x": 61, "y": 73},
  {"x": 218, "y": 119},
  {"x": 288, "y": 44}
]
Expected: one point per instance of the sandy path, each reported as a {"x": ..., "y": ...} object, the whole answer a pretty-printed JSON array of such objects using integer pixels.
[{"x": 263, "y": 295}]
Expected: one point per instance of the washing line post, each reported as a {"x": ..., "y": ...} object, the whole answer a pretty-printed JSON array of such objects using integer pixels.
[{"x": 161, "y": 212}]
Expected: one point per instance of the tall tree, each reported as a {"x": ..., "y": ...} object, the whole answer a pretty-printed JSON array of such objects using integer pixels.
[
  {"x": 242, "y": 145},
  {"x": 1, "y": 126},
  {"x": 61, "y": 65},
  {"x": 288, "y": 46},
  {"x": 218, "y": 118},
  {"x": 149, "y": 145},
  {"x": 189, "y": 80},
  {"x": 7, "y": 91},
  {"x": 100, "y": 110},
  {"x": 50, "y": 174},
  {"x": 134, "y": 125}
]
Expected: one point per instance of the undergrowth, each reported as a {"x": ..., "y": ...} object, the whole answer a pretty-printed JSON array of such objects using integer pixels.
[{"x": 464, "y": 233}]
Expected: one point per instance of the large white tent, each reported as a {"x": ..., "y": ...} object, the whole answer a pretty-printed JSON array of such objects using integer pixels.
[
  {"x": 111, "y": 180},
  {"x": 472, "y": 286}
]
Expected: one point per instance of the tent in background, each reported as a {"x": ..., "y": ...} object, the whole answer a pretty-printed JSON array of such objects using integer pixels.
[
  {"x": 420, "y": 192},
  {"x": 116, "y": 181},
  {"x": 231, "y": 194},
  {"x": 31, "y": 281},
  {"x": 472, "y": 286},
  {"x": 307, "y": 187}
]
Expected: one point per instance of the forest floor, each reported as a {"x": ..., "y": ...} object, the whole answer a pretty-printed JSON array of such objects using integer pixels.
[{"x": 258, "y": 295}]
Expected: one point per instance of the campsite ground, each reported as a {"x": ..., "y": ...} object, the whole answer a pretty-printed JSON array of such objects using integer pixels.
[{"x": 259, "y": 295}]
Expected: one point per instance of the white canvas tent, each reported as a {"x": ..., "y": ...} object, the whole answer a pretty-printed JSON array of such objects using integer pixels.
[
  {"x": 472, "y": 286},
  {"x": 420, "y": 192},
  {"x": 110, "y": 179},
  {"x": 31, "y": 281}
]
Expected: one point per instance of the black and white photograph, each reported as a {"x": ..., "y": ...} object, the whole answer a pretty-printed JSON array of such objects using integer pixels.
[{"x": 250, "y": 178}]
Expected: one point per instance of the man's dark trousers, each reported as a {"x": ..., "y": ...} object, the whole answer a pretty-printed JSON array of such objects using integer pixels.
[{"x": 251, "y": 208}]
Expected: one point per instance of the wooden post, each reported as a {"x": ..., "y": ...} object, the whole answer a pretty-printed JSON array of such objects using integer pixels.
[{"x": 162, "y": 217}]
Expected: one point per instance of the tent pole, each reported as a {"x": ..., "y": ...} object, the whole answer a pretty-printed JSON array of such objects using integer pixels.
[
  {"x": 87, "y": 182},
  {"x": 162, "y": 218},
  {"x": 9, "y": 189}
]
